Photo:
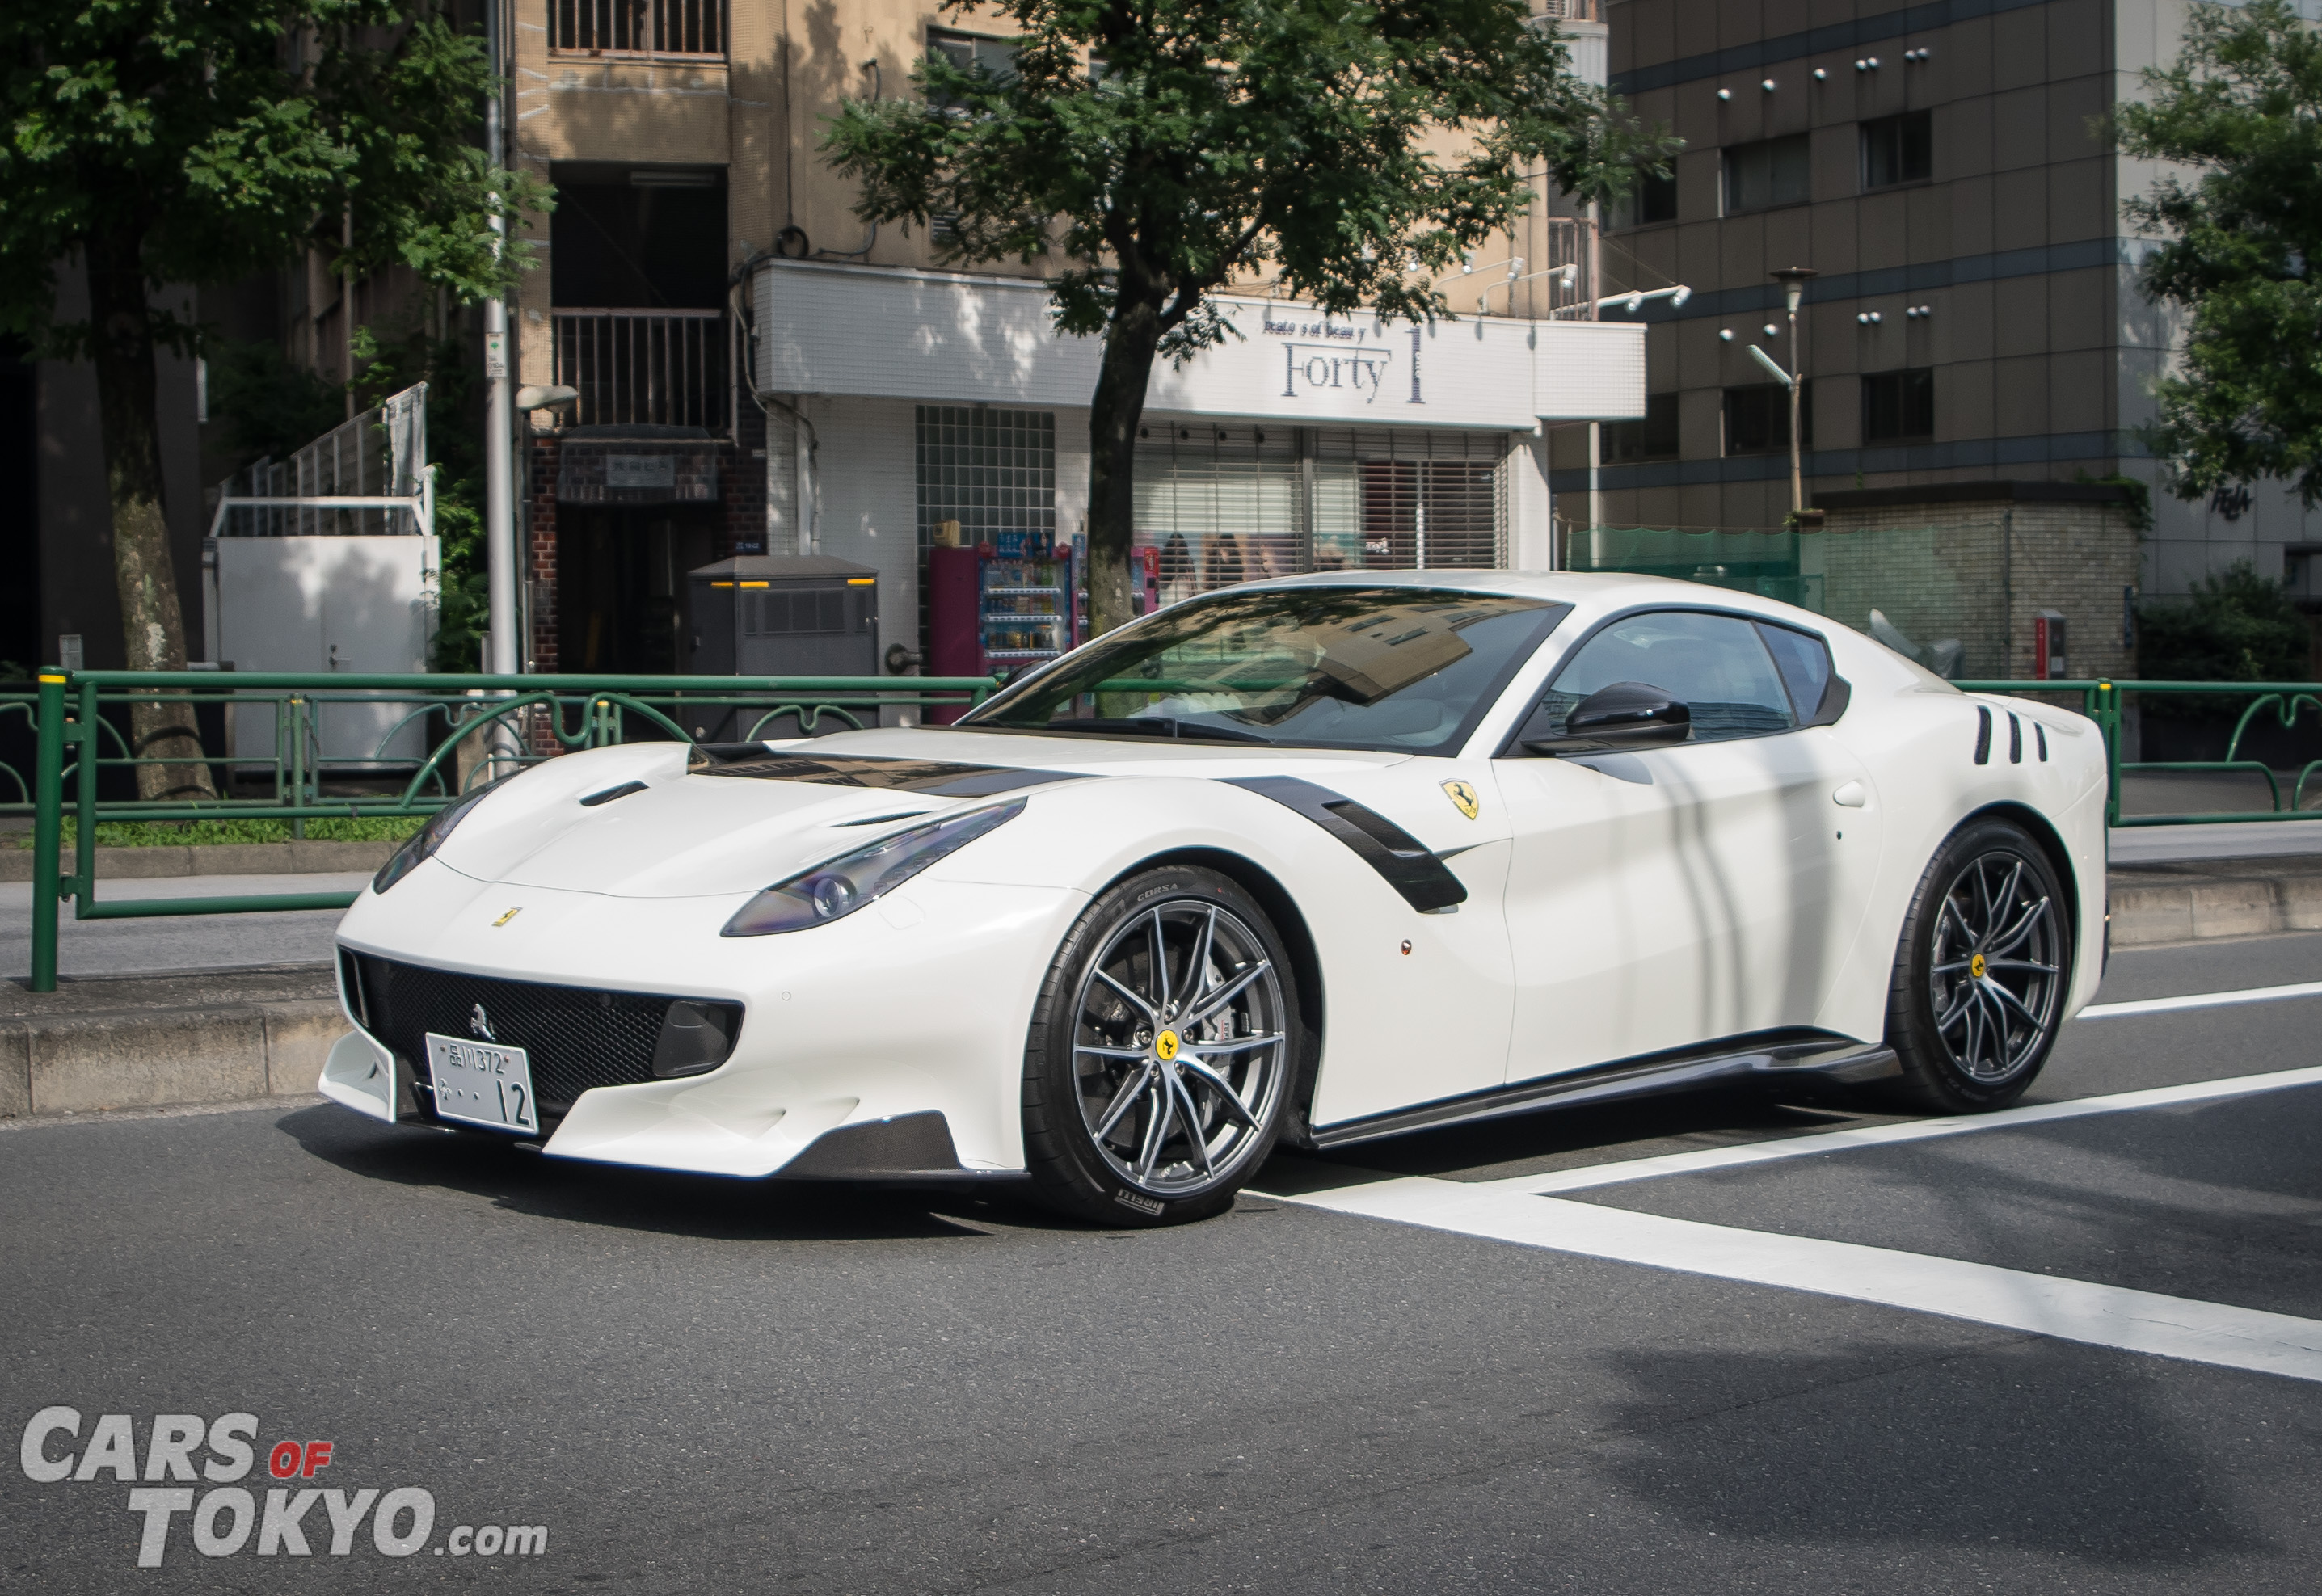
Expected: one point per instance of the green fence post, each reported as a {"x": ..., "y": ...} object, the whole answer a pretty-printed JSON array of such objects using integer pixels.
[
  {"x": 2107, "y": 719},
  {"x": 86, "y": 733},
  {"x": 48, "y": 829}
]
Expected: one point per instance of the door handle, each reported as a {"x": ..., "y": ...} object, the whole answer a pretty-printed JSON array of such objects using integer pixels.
[{"x": 1851, "y": 795}]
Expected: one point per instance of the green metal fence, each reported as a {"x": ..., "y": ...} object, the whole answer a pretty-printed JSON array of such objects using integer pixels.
[
  {"x": 472, "y": 726},
  {"x": 461, "y": 729}
]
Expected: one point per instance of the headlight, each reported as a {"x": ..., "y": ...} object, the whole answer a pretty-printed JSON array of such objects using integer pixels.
[
  {"x": 428, "y": 838},
  {"x": 832, "y": 891}
]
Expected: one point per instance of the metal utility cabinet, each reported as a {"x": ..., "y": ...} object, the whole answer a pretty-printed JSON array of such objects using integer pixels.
[{"x": 765, "y": 615}]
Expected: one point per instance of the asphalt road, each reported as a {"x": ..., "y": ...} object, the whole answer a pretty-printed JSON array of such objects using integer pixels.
[{"x": 704, "y": 1386}]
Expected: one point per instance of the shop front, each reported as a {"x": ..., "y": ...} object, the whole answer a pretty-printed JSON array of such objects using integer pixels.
[{"x": 898, "y": 402}]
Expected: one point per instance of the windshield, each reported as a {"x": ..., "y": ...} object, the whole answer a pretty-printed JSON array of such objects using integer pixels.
[{"x": 1405, "y": 668}]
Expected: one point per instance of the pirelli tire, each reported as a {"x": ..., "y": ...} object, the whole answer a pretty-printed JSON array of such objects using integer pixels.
[
  {"x": 1982, "y": 972},
  {"x": 1163, "y": 1053}
]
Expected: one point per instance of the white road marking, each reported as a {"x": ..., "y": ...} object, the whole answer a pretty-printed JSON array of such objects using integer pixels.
[
  {"x": 1880, "y": 1135},
  {"x": 2311, "y": 988},
  {"x": 2068, "y": 1309}
]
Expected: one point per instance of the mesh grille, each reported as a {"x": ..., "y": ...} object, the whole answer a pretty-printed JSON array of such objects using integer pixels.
[{"x": 573, "y": 1037}]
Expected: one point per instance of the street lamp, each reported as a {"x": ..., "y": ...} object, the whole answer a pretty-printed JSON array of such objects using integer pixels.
[{"x": 1792, "y": 279}]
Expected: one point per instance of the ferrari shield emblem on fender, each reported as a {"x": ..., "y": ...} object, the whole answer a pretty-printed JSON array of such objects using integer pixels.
[{"x": 1463, "y": 795}]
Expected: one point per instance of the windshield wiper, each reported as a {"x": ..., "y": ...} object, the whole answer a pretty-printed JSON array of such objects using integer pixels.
[{"x": 1152, "y": 725}]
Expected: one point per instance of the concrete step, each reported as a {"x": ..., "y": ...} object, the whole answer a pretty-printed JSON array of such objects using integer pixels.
[
  {"x": 2196, "y": 900},
  {"x": 225, "y": 859}
]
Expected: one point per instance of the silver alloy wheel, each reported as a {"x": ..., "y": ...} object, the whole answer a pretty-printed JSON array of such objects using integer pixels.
[
  {"x": 1179, "y": 1052},
  {"x": 1997, "y": 972}
]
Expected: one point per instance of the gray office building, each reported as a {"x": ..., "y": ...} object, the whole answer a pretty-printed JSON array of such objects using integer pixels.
[{"x": 1975, "y": 315}]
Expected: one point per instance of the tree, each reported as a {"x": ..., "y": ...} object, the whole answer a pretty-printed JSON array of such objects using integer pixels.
[
  {"x": 1354, "y": 149},
  {"x": 171, "y": 141},
  {"x": 2242, "y": 242},
  {"x": 2234, "y": 627}
]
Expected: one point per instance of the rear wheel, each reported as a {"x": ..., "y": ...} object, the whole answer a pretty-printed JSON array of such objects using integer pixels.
[
  {"x": 1980, "y": 974},
  {"x": 1157, "y": 1070}
]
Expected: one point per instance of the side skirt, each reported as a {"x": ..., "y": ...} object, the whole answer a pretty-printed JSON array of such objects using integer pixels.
[{"x": 1773, "y": 1059}]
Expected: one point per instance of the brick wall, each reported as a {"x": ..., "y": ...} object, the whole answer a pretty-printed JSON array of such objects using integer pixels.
[{"x": 1974, "y": 561}]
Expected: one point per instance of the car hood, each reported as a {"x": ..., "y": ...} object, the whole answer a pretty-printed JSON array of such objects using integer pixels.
[{"x": 742, "y": 817}]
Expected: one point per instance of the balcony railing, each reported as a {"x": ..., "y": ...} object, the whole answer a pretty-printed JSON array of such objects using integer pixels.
[
  {"x": 1570, "y": 11},
  {"x": 682, "y": 27},
  {"x": 663, "y": 368}
]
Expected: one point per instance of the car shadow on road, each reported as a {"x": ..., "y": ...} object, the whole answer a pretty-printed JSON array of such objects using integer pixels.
[
  {"x": 711, "y": 1207},
  {"x": 2082, "y": 1456},
  {"x": 1558, "y": 1138}
]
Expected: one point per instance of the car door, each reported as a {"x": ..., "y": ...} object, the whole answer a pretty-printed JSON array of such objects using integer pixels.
[{"x": 1669, "y": 896}]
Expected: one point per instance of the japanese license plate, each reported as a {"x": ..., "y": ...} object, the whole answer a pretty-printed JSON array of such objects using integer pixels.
[{"x": 482, "y": 1083}]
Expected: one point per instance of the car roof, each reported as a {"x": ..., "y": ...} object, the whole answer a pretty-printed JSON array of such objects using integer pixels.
[{"x": 1596, "y": 592}]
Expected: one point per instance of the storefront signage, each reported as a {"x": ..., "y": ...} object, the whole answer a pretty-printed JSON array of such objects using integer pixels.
[
  {"x": 942, "y": 339},
  {"x": 640, "y": 471}
]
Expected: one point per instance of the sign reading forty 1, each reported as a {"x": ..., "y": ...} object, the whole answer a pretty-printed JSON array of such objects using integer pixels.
[{"x": 1344, "y": 361}]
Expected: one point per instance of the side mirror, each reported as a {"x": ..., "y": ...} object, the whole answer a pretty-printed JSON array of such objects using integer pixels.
[{"x": 1627, "y": 714}]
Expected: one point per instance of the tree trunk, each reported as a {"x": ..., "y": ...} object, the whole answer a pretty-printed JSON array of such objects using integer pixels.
[
  {"x": 152, "y": 625},
  {"x": 1131, "y": 339}
]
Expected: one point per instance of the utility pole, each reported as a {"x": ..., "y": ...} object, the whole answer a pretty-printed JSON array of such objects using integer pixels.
[
  {"x": 500, "y": 497},
  {"x": 1792, "y": 279}
]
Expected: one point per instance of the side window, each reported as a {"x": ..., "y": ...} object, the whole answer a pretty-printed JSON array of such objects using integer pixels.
[
  {"x": 1804, "y": 660},
  {"x": 1717, "y": 665}
]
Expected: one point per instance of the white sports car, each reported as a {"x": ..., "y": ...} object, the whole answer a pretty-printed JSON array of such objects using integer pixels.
[{"x": 1312, "y": 861}]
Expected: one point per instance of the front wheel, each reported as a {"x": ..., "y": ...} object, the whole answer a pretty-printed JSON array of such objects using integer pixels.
[
  {"x": 1158, "y": 1066},
  {"x": 1980, "y": 974}
]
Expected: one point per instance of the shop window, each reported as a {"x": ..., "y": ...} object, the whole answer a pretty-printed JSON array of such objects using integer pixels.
[
  {"x": 1654, "y": 437},
  {"x": 1758, "y": 419},
  {"x": 1768, "y": 173},
  {"x": 1899, "y": 406},
  {"x": 990, "y": 471},
  {"x": 1653, "y": 199},
  {"x": 1898, "y": 150}
]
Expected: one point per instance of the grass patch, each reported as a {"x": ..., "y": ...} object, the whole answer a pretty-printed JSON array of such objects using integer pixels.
[{"x": 201, "y": 834}]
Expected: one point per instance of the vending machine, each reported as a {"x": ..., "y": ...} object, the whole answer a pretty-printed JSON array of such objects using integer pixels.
[{"x": 1002, "y": 606}]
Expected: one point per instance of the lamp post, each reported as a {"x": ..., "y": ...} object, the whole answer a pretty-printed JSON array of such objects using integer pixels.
[{"x": 1792, "y": 279}]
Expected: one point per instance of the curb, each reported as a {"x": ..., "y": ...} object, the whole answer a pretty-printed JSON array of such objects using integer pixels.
[
  {"x": 294, "y": 858},
  {"x": 2154, "y": 905},
  {"x": 78, "y": 1063}
]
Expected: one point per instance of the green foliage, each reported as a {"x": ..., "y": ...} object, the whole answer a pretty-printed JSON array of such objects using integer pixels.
[
  {"x": 2139, "y": 509},
  {"x": 268, "y": 405},
  {"x": 203, "y": 834},
  {"x": 2240, "y": 241},
  {"x": 1222, "y": 138},
  {"x": 465, "y": 603},
  {"x": 224, "y": 137},
  {"x": 2236, "y": 626}
]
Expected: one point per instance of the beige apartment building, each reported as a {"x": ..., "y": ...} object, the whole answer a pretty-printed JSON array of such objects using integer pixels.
[{"x": 760, "y": 371}]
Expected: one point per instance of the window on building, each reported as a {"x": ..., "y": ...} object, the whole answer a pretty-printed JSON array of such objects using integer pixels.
[
  {"x": 967, "y": 51},
  {"x": 1899, "y": 406},
  {"x": 1758, "y": 419},
  {"x": 1899, "y": 150},
  {"x": 1653, "y": 199},
  {"x": 990, "y": 471},
  {"x": 1768, "y": 173},
  {"x": 637, "y": 27},
  {"x": 1624, "y": 443}
]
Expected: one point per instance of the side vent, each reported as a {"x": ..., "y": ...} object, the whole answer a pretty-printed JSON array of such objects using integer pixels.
[
  {"x": 1983, "y": 736},
  {"x": 2040, "y": 737},
  {"x": 2015, "y": 739}
]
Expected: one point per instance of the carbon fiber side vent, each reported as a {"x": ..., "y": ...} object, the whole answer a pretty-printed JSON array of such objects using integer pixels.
[{"x": 1982, "y": 734}]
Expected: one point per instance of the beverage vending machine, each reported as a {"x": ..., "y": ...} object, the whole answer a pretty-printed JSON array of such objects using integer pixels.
[{"x": 1002, "y": 606}]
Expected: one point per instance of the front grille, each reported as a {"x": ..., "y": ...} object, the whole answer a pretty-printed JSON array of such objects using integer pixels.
[{"x": 574, "y": 1037}]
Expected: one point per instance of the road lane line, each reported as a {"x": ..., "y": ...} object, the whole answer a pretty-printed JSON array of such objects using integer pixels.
[
  {"x": 2094, "y": 1315},
  {"x": 1880, "y": 1135},
  {"x": 2311, "y": 988}
]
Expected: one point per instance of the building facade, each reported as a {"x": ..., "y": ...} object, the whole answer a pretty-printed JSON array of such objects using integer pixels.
[
  {"x": 1942, "y": 169},
  {"x": 759, "y": 372}
]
